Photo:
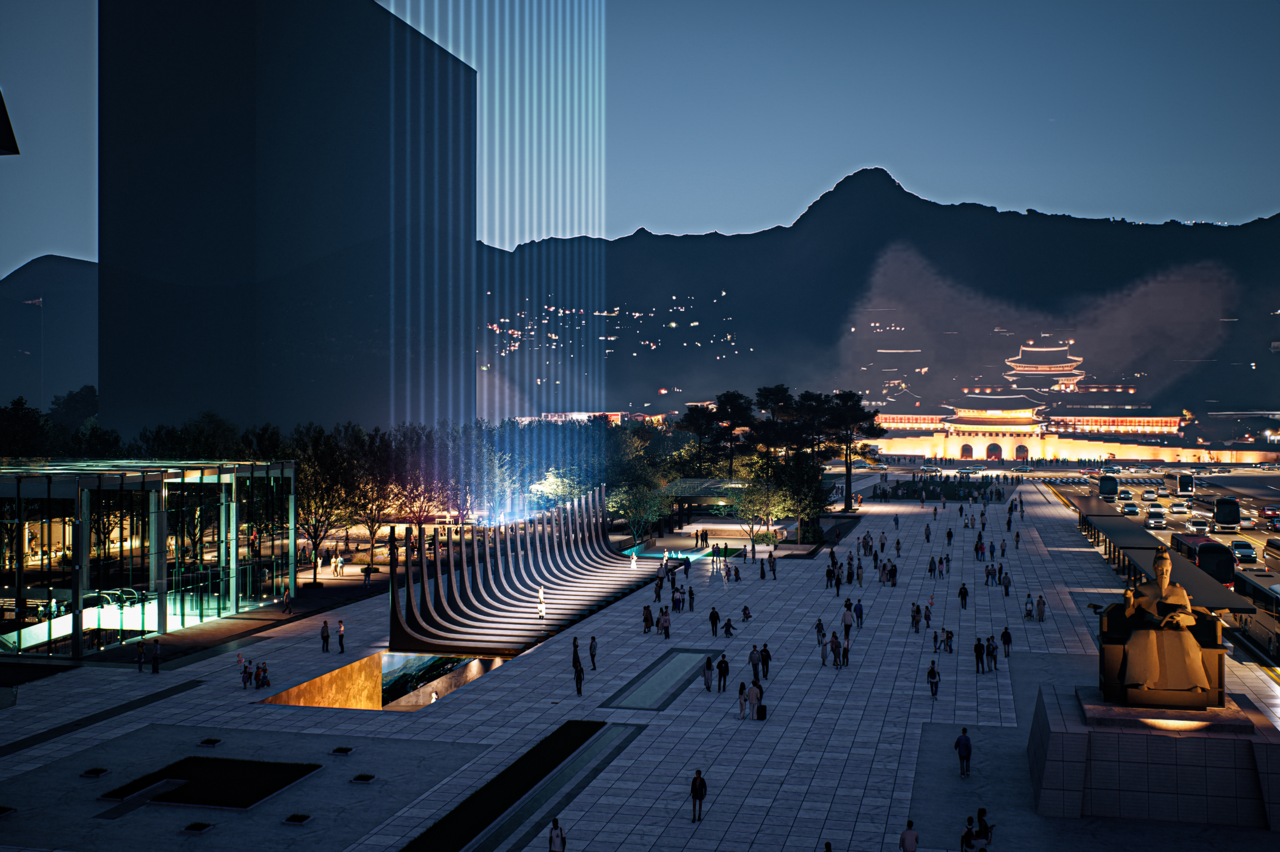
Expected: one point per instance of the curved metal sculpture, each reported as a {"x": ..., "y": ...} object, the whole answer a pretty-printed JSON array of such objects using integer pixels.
[{"x": 486, "y": 601}]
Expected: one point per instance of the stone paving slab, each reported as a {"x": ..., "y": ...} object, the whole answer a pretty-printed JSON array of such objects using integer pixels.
[{"x": 837, "y": 760}]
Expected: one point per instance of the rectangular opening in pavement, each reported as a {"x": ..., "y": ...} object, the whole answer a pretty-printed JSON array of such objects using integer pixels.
[
  {"x": 387, "y": 681},
  {"x": 659, "y": 684}
]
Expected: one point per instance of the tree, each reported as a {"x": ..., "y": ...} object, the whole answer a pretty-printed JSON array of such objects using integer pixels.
[
  {"x": 22, "y": 430},
  {"x": 703, "y": 424},
  {"x": 753, "y": 505},
  {"x": 847, "y": 423},
  {"x": 372, "y": 493},
  {"x": 323, "y": 486},
  {"x": 807, "y": 495},
  {"x": 735, "y": 411},
  {"x": 70, "y": 410},
  {"x": 639, "y": 506}
]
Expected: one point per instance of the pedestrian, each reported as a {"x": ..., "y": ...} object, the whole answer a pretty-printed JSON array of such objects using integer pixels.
[
  {"x": 762, "y": 568},
  {"x": 753, "y": 700},
  {"x": 754, "y": 659},
  {"x": 964, "y": 748},
  {"x": 246, "y": 675},
  {"x": 1041, "y": 606},
  {"x": 155, "y": 656},
  {"x": 844, "y": 653},
  {"x": 822, "y": 647},
  {"x": 287, "y": 609},
  {"x": 742, "y": 701},
  {"x": 542, "y": 602},
  {"x": 897, "y": 545},
  {"x": 928, "y": 614},
  {"x": 964, "y": 596},
  {"x": 838, "y": 578},
  {"x": 646, "y": 616},
  {"x": 895, "y": 520},
  {"x": 558, "y": 837},
  {"x": 342, "y": 638},
  {"x": 257, "y": 676},
  {"x": 579, "y": 674},
  {"x": 992, "y": 659},
  {"x": 858, "y": 612},
  {"x": 1006, "y": 581},
  {"x": 1006, "y": 638},
  {"x": 591, "y": 649},
  {"x": 722, "y": 668},
  {"x": 835, "y": 649},
  {"x": 846, "y": 618},
  {"x": 690, "y": 595},
  {"x": 949, "y": 534},
  {"x": 666, "y": 624},
  {"x": 715, "y": 622},
  {"x": 979, "y": 650},
  {"x": 909, "y": 841},
  {"x": 324, "y": 637},
  {"x": 728, "y": 629},
  {"x": 368, "y": 570},
  {"x": 773, "y": 565},
  {"x": 142, "y": 655},
  {"x": 1017, "y": 539},
  {"x": 859, "y": 572},
  {"x": 698, "y": 790},
  {"x": 706, "y": 673}
]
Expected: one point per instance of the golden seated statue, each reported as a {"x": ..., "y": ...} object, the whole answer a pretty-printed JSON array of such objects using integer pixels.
[{"x": 1160, "y": 651}]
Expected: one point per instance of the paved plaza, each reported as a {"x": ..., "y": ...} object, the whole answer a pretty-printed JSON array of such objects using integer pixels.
[{"x": 845, "y": 756}]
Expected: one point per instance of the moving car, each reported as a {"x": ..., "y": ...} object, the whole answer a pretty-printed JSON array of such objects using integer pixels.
[
  {"x": 1130, "y": 509},
  {"x": 1197, "y": 526},
  {"x": 1155, "y": 518},
  {"x": 1248, "y": 523},
  {"x": 1244, "y": 551},
  {"x": 1024, "y": 468},
  {"x": 930, "y": 468},
  {"x": 878, "y": 467},
  {"x": 1125, "y": 494},
  {"x": 1162, "y": 491},
  {"x": 1148, "y": 496},
  {"x": 978, "y": 467},
  {"x": 1112, "y": 469},
  {"x": 1177, "y": 509}
]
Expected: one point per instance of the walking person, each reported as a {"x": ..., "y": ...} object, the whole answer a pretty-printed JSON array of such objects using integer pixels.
[
  {"x": 579, "y": 674},
  {"x": 324, "y": 637},
  {"x": 1041, "y": 606},
  {"x": 858, "y": 612},
  {"x": 558, "y": 837},
  {"x": 1017, "y": 539},
  {"x": 706, "y": 673},
  {"x": 155, "y": 656},
  {"x": 714, "y": 618},
  {"x": 846, "y": 618},
  {"x": 992, "y": 658},
  {"x": 979, "y": 651},
  {"x": 835, "y": 649},
  {"x": 142, "y": 655},
  {"x": 698, "y": 791},
  {"x": 287, "y": 609},
  {"x": 742, "y": 701},
  {"x": 928, "y": 614},
  {"x": 246, "y": 675},
  {"x": 844, "y": 653},
  {"x": 1006, "y": 581},
  {"x": 964, "y": 596},
  {"x": 1006, "y": 638},
  {"x": 823, "y": 647},
  {"x": 933, "y": 679},
  {"x": 753, "y": 699},
  {"x": 591, "y": 649},
  {"x": 754, "y": 659},
  {"x": 342, "y": 638},
  {"x": 964, "y": 748},
  {"x": 722, "y": 668}
]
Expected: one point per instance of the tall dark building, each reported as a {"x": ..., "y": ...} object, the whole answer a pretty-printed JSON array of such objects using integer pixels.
[{"x": 287, "y": 215}]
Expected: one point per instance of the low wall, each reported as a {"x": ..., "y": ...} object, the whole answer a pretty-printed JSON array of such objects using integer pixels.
[{"x": 357, "y": 686}]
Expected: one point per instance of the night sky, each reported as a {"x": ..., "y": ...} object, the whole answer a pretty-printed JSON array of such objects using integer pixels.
[{"x": 734, "y": 116}]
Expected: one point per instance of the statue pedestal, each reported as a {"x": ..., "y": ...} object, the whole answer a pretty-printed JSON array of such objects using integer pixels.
[{"x": 1090, "y": 758}]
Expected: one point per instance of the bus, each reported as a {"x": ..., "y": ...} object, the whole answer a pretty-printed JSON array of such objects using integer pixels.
[
  {"x": 1223, "y": 513},
  {"x": 1183, "y": 485},
  {"x": 1108, "y": 488},
  {"x": 1263, "y": 627},
  {"x": 1212, "y": 557}
]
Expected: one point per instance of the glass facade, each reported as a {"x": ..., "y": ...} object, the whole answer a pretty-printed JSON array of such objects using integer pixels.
[{"x": 94, "y": 554}]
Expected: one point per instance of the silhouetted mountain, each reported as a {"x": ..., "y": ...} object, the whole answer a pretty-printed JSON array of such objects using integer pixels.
[
  {"x": 877, "y": 290},
  {"x": 49, "y": 313}
]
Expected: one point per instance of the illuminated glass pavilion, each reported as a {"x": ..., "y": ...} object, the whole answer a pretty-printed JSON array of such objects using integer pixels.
[{"x": 97, "y": 553}]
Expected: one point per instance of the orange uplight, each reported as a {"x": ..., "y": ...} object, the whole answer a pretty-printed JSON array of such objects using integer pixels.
[{"x": 1174, "y": 724}]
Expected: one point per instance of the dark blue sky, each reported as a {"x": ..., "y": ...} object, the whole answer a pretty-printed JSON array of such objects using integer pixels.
[{"x": 734, "y": 116}]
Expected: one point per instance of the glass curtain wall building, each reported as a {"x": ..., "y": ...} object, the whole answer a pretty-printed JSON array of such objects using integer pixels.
[{"x": 95, "y": 554}]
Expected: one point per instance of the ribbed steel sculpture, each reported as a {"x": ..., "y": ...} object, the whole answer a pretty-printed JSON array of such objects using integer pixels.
[{"x": 479, "y": 594}]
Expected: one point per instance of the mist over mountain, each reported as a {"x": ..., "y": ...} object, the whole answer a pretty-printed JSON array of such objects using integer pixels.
[{"x": 909, "y": 301}]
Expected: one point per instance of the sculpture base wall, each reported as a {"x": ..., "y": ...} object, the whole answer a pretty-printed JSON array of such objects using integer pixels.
[{"x": 1080, "y": 769}]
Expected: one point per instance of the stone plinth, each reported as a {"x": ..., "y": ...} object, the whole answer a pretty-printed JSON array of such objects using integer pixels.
[
  {"x": 1213, "y": 720},
  {"x": 1095, "y": 767}
]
